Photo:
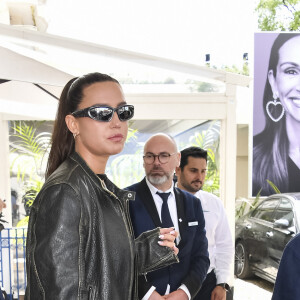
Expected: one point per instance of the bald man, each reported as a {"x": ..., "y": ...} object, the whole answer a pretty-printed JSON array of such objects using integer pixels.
[{"x": 159, "y": 204}]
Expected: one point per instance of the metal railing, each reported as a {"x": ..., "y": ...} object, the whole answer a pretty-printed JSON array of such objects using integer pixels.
[{"x": 12, "y": 262}]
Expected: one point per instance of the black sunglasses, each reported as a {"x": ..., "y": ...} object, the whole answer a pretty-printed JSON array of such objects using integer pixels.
[{"x": 105, "y": 113}]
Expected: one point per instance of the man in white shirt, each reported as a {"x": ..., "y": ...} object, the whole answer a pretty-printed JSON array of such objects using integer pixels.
[
  {"x": 191, "y": 177},
  {"x": 159, "y": 204}
]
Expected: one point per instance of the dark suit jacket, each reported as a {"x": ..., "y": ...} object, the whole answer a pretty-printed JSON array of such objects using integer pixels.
[{"x": 193, "y": 254}]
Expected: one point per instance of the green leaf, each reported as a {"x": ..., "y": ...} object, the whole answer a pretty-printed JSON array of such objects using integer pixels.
[
  {"x": 28, "y": 150},
  {"x": 280, "y": 15},
  {"x": 274, "y": 187}
]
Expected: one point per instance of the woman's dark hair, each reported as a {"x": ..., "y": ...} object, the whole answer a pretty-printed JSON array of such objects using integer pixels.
[
  {"x": 62, "y": 144},
  {"x": 271, "y": 146}
]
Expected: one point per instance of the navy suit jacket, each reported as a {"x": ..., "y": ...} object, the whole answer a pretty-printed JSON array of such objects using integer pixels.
[{"x": 193, "y": 255}]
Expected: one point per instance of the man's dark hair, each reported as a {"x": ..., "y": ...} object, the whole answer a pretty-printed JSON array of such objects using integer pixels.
[{"x": 196, "y": 152}]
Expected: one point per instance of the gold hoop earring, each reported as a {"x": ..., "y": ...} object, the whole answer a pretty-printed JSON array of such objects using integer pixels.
[{"x": 75, "y": 135}]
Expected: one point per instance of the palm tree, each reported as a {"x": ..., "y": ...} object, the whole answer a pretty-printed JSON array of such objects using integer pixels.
[
  {"x": 209, "y": 140},
  {"x": 28, "y": 153}
]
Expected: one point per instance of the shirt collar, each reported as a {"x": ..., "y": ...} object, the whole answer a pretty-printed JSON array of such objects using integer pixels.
[{"x": 153, "y": 189}]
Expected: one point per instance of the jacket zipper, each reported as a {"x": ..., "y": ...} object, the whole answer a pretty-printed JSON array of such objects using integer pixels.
[
  {"x": 126, "y": 206},
  {"x": 125, "y": 217},
  {"x": 153, "y": 267},
  {"x": 90, "y": 293}
]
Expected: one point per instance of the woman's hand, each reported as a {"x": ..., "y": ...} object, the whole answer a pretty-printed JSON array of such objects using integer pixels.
[{"x": 168, "y": 236}]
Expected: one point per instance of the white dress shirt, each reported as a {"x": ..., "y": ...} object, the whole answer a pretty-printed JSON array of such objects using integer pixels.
[
  {"x": 220, "y": 244},
  {"x": 173, "y": 212}
]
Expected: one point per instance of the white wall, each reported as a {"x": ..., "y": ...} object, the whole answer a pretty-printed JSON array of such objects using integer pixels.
[{"x": 242, "y": 161}]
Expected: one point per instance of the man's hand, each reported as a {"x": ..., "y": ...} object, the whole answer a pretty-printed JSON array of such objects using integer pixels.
[
  {"x": 218, "y": 293},
  {"x": 155, "y": 296},
  {"x": 168, "y": 236},
  {"x": 177, "y": 295}
]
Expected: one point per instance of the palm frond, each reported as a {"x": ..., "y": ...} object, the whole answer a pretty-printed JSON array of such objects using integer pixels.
[{"x": 273, "y": 186}]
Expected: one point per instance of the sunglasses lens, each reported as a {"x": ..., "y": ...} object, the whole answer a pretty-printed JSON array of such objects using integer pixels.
[
  {"x": 125, "y": 112},
  {"x": 101, "y": 113}
]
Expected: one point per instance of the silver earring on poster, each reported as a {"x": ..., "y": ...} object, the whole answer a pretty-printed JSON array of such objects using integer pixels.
[{"x": 274, "y": 103}]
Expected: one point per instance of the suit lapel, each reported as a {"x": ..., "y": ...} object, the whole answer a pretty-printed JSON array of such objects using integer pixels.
[{"x": 147, "y": 199}]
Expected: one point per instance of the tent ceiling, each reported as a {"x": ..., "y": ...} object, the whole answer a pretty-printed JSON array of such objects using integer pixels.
[
  {"x": 15, "y": 66},
  {"x": 25, "y": 101},
  {"x": 26, "y": 56},
  {"x": 42, "y": 40}
]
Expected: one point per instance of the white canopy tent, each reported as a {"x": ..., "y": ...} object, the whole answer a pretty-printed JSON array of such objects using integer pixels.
[{"x": 36, "y": 81}]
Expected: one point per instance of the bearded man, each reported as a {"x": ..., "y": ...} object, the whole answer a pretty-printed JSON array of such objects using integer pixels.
[{"x": 158, "y": 203}]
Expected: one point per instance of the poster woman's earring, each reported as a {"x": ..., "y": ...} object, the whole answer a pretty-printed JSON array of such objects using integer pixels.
[
  {"x": 74, "y": 135},
  {"x": 274, "y": 103}
]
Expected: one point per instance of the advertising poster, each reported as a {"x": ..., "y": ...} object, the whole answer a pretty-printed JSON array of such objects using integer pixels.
[{"x": 276, "y": 113}]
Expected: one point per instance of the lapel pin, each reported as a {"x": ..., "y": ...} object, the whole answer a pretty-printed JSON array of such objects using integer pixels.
[{"x": 180, "y": 220}]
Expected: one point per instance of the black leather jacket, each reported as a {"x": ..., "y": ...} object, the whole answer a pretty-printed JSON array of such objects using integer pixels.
[{"x": 80, "y": 243}]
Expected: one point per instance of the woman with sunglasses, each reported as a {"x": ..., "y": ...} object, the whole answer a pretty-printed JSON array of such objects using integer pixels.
[{"x": 80, "y": 243}]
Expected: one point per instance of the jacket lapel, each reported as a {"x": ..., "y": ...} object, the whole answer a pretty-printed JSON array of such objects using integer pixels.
[
  {"x": 147, "y": 199},
  {"x": 145, "y": 195}
]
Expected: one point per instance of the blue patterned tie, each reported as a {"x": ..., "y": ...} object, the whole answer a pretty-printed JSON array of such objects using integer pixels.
[{"x": 166, "y": 220}]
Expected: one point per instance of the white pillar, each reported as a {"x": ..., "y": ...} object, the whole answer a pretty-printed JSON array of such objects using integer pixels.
[
  {"x": 4, "y": 169},
  {"x": 228, "y": 162}
]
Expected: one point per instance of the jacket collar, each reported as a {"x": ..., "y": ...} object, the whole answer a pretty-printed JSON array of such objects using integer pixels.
[{"x": 121, "y": 194}]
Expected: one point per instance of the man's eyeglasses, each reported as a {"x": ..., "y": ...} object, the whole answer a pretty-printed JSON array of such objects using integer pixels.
[
  {"x": 105, "y": 113},
  {"x": 163, "y": 158}
]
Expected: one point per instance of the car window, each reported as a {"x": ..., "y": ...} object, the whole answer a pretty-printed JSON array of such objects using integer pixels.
[
  {"x": 285, "y": 211},
  {"x": 265, "y": 211}
]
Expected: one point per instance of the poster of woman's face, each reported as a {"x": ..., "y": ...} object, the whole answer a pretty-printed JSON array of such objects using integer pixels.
[{"x": 276, "y": 113}]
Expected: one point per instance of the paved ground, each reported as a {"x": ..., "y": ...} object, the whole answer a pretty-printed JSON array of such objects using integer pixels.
[{"x": 252, "y": 289}]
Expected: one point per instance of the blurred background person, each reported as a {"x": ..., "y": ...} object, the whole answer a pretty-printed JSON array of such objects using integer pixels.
[
  {"x": 2, "y": 205},
  {"x": 14, "y": 207}
]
